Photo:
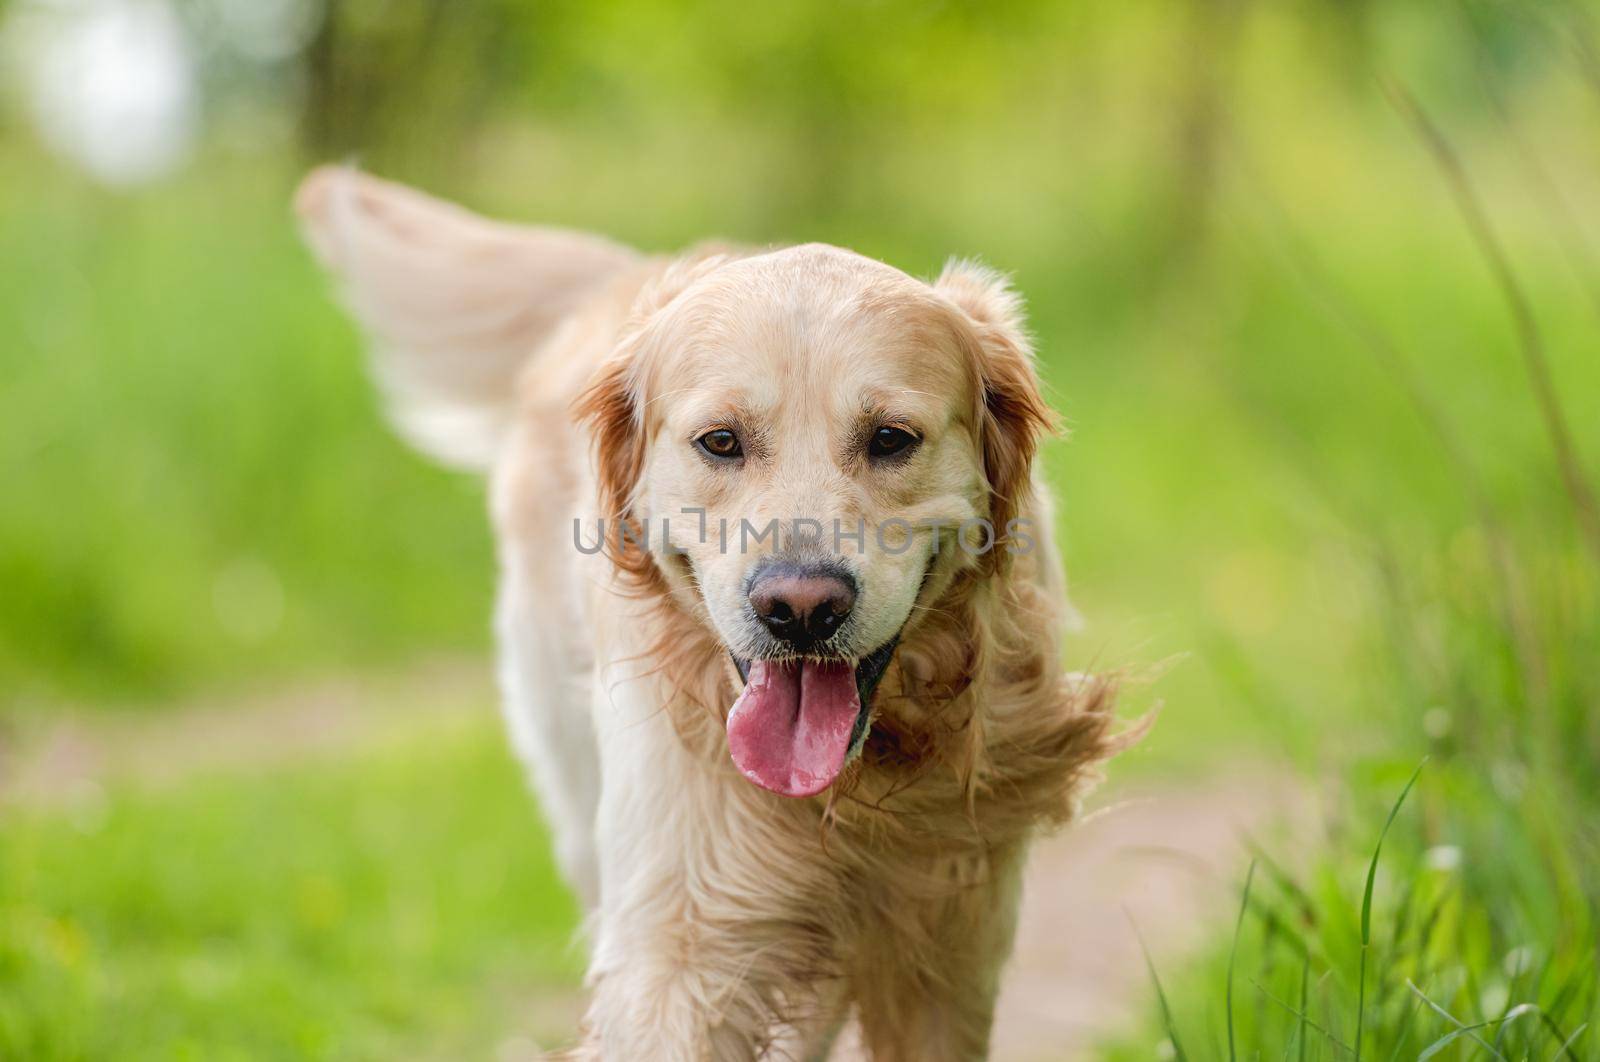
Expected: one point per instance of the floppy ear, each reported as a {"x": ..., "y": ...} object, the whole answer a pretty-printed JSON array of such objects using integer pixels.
[
  {"x": 452, "y": 303},
  {"x": 612, "y": 404},
  {"x": 1013, "y": 414}
]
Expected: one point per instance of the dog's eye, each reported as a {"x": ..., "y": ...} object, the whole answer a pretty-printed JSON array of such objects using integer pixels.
[
  {"x": 886, "y": 442},
  {"x": 720, "y": 443}
]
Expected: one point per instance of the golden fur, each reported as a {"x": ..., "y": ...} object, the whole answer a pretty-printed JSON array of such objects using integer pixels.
[{"x": 728, "y": 922}]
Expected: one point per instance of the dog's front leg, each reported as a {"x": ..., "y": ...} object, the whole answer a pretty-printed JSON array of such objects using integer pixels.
[
  {"x": 709, "y": 942},
  {"x": 926, "y": 991}
]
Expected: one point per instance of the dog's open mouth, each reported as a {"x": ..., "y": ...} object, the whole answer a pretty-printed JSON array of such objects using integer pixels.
[{"x": 799, "y": 720}]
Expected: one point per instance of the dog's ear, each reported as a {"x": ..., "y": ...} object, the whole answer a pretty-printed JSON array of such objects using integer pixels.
[
  {"x": 1012, "y": 415},
  {"x": 612, "y": 404},
  {"x": 452, "y": 303}
]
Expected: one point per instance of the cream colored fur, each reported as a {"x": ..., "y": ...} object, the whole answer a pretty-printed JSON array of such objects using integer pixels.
[{"x": 727, "y": 922}]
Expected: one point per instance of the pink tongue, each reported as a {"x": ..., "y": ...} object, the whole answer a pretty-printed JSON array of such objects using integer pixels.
[{"x": 789, "y": 730}]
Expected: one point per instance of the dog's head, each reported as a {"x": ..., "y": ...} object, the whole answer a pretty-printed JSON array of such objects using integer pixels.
[
  {"x": 802, "y": 450},
  {"x": 805, "y": 448}
]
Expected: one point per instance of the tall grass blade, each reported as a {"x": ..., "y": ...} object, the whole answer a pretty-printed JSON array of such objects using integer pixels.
[
  {"x": 1233, "y": 954},
  {"x": 1305, "y": 1019},
  {"x": 1161, "y": 996},
  {"x": 1563, "y": 222},
  {"x": 1579, "y": 492},
  {"x": 1451, "y": 1037},
  {"x": 1340, "y": 308},
  {"x": 1304, "y": 906},
  {"x": 1403, "y": 1035},
  {"x": 1278, "y": 927},
  {"x": 1464, "y": 1029},
  {"x": 1512, "y": 1015},
  {"x": 1372, "y": 867},
  {"x": 1366, "y": 907},
  {"x": 1566, "y": 1048},
  {"x": 1305, "y": 988}
]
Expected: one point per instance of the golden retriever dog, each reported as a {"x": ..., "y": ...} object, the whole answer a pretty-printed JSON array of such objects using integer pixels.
[{"x": 780, "y": 617}]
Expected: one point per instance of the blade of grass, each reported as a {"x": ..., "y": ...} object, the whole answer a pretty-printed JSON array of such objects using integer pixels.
[
  {"x": 1431, "y": 922},
  {"x": 1566, "y": 1048},
  {"x": 1510, "y": 1016},
  {"x": 1161, "y": 995},
  {"x": 1366, "y": 907},
  {"x": 1233, "y": 954},
  {"x": 1298, "y": 896},
  {"x": 1451, "y": 1037},
  {"x": 1579, "y": 492},
  {"x": 1402, "y": 920},
  {"x": 1342, "y": 309},
  {"x": 1563, "y": 222},
  {"x": 1457, "y": 1022},
  {"x": 1305, "y": 986},
  {"x": 1280, "y": 926},
  {"x": 1404, "y": 1034},
  {"x": 1579, "y": 982},
  {"x": 1305, "y": 1019}
]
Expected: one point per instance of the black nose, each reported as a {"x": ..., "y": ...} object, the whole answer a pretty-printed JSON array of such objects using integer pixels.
[{"x": 802, "y": 605}]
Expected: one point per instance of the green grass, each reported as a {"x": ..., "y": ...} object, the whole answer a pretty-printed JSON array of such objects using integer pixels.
[
  {"x": 1477, "y": 931},
  {"x": 198, "y": 487},
  {"x": 400, "y": 902}
]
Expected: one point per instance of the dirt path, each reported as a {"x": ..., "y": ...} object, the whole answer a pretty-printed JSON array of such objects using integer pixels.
[
  {"x": 1161, "y": 855},
  {"x": 70, "y": 756},
  {"x": 1166, "y": 857}
]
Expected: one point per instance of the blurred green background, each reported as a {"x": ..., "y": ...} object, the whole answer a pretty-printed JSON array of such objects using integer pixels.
[{"x": 1314, "y": 283}]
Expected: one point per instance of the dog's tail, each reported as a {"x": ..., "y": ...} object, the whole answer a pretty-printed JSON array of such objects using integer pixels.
[{"x": 453, "y": 303}]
